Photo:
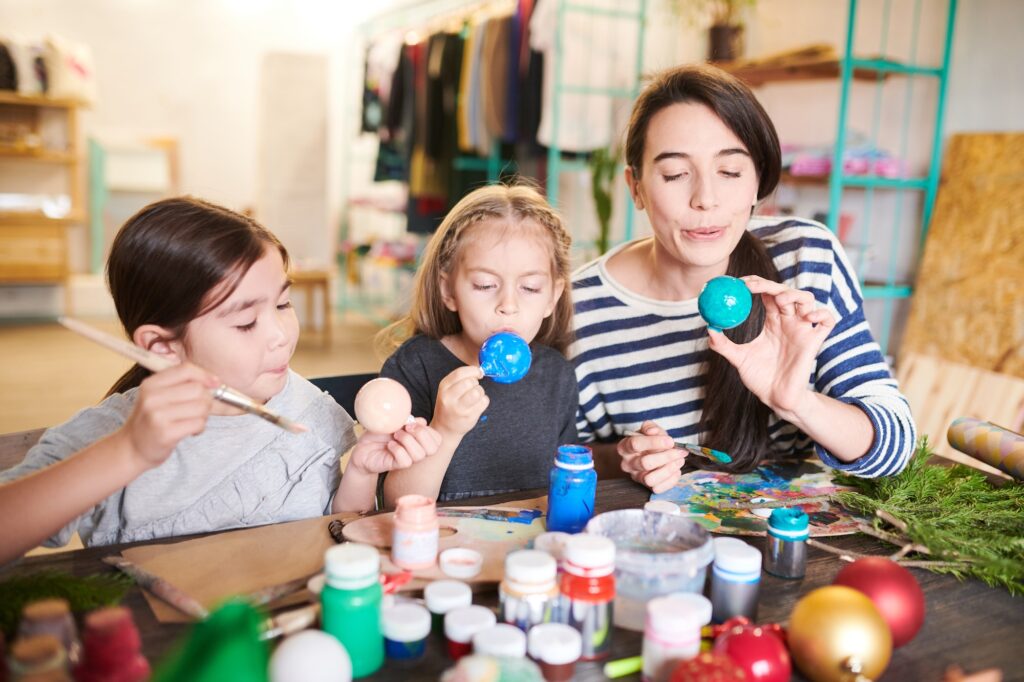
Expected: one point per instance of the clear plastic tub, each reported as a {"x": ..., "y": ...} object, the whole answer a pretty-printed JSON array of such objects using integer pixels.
[{"x": 655, "y": 554}]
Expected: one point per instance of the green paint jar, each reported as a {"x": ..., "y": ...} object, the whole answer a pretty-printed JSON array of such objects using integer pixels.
[{"x": 351, "y": 602}]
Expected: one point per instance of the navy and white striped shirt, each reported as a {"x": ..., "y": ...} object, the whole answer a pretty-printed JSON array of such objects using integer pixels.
[{"x": 641, "y": 359}]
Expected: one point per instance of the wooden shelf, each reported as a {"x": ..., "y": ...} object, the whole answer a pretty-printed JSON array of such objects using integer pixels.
[
  {"x": 755, "y": 74},
  {"x": 10, "y": 97},
  {"x": 32, "y": 218},
  {"x": 43, "y": 156}
]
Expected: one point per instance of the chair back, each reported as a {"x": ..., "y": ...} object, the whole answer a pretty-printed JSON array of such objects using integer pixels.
[
  {"x": 343, "y": 388},
  {"x": 14, "y": 446}
]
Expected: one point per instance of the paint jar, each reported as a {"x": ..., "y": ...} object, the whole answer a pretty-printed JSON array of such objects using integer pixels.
[
  {"x": 528, "y": 594},
  {"x": 111, "y": 648},
  {"x": 735, "y": 580},
  {"x": 786, "y": 555},
  {"x": 461, "y": 562},
  {"x": 556, "y": 647},
  {"x": 655, "y": 554},
  {"x": 588, "y": 592},
  {"x": 461, "y": 624},
  {"x": 552, "y": 542},
  {"x": 51, "y": 617},
  {"x": 38, "y": 657},
  {"x": 351, "y": 603},
  {"x": 663, "y": 506},
  {"x": 500, "y": 639},
  {"x": 441, "y": 596},
  {"x": 405, "y": 627},
  {"x": 416, "y": 533},
  {"x": 672, "y": 632},
  {"x": 571, "y": 489}
]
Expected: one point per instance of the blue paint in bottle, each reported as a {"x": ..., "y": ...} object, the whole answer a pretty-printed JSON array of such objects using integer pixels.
[{"x": 572, "y": 485}]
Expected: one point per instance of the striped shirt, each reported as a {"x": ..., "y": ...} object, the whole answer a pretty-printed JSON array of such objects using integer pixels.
[{"x": 640, "y": 359}]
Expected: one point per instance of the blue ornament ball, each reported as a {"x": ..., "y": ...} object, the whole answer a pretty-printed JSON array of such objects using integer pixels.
[
  {"x": 505, "y": 357},
  {"x": 724, "y": 302}
]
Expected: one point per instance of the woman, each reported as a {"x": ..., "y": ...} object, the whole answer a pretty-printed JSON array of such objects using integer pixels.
[{"x": 802, "y": 370}]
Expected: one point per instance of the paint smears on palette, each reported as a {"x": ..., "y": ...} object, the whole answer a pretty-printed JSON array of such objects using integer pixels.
[
  {"x": 526, "y": 516},
  {"x": 736, "y": 504}
]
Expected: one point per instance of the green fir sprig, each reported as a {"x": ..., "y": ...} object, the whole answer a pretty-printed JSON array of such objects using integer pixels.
[
  {"x": 965, "y": 525},
  {"x": 83, "y": 594}
]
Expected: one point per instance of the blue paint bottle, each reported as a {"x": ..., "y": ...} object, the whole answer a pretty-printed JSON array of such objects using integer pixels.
[{"x": 573, "y": 483}]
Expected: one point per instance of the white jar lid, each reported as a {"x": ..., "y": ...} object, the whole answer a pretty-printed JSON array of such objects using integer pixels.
[
  {"x": 736, "y": 556},
  {"x": 663, "y": 506},
  {"x": 678, "y": 615},
  {"x": 594, "y": 554},
  {"x": 441, "y": 596},
  {"x": 461, "y": 562},
  {"x": 500, "y": 640},
  {"x": 462, "y": 623},
  {"x": 530, "y": 566},
  {"x": 552, "y": 542},
  {"x": 351, "y": 565},
  {"x": 405, "y": 622},
  {"x": 555, "y": 643}
]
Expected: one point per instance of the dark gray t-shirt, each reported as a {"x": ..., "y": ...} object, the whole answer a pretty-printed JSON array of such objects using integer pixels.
[{"x": 513, "y": 448}]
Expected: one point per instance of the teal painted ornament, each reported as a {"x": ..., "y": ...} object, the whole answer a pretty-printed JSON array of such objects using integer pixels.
[
  {"x": 724, "y": 302},
  {"x": 505, "y": 357}
]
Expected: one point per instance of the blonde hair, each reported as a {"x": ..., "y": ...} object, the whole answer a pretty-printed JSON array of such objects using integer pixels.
[{"x": 511, "y": 204}]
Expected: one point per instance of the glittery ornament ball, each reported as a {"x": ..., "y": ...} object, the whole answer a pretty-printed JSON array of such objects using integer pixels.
[
  {"x": 893, "y": 590},
  {"x": 708, "y": 667}
]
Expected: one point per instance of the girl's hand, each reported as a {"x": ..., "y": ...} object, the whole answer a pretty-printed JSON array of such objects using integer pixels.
[
  {"x": 376, "y": 453},
  {"x": 651, "y": 458},
  {"x": 169, "y": 406},
  {"x": 460, "y": 401},
  {"x": 778, "y": 364}
]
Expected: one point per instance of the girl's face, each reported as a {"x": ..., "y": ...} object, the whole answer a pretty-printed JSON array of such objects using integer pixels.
[
  {"x": 698, "y": 185},
  {"x": 503, "y": 281},
  {"x": 248, "y": 340}
]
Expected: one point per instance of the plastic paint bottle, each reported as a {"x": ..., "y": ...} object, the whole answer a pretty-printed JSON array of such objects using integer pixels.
[
  {"x": 788, "y": 530},
  {"x": 571, "y": 490},
  {"x": 556, "y": 647},
  {"x": 528, "y": 595},
  {"x": 441, "y": 596},
  {"x": 111, "y": 648},
  {"x": 672, "y": 633},
  {"x": 500, "y": 639},
  {"x": 51, "y": 617},
  {"x": 588, "y": 592},
  {"x": 351, "y": 601},
  {"x": 416, "y": 533},
  {"x": 461, "y": 624},
  {"x": 405, "y": 628},
  {"x": 735, "y": 579},
  {"x": 38, "y": 657}
]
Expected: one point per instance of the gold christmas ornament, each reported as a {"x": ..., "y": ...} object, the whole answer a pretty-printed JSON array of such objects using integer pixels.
[{"x": 837, "y": 635}]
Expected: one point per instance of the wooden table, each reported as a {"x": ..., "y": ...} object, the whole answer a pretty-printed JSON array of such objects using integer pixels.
[{"x": 967, "y": 623}]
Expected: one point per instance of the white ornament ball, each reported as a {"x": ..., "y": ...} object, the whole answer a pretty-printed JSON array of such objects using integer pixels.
[{"x": 310, "y": 656}]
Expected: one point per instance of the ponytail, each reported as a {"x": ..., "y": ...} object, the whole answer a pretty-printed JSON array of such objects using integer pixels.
[{"x": 130, "y": 379}]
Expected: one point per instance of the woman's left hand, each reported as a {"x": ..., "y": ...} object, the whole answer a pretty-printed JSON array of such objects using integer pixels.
[{"x": 778, "y": 364}]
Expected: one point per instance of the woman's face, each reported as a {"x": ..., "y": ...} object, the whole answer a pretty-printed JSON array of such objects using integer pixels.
[{"x": 697, "y": 185}]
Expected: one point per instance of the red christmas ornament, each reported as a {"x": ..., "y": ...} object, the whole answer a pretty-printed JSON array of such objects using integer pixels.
[
  {"x": 708, "y": 667},
  {"x": 893, "y": 590},
  {"x": 759, "y": 651}
]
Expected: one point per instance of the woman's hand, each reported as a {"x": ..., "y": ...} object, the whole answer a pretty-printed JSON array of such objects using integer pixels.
[
  {"x": 376, "y": 453},
  {"x": 460, "y": 401},
  {"x": 778, "y": 364},
  {"x": 651, "y": 458}
]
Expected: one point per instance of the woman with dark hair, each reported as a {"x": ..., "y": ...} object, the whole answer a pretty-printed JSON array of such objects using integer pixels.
[{"x": 802, "y": 370}]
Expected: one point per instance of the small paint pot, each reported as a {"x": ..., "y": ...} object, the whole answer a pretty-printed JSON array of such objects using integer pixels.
[
  {"x": 441, "y": 596},
  {"x": 500, "y": 640},
  {"x": 461, "y": 562},
  {"x": 552, "y": 542},
  {"x": 461, "y": 624},
  {"x": 556, "y": 647},
  {"x": 405, "y": 628},
  {"x": 663, "y": 506}
]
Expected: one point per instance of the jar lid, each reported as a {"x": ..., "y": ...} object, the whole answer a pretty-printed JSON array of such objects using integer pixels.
[
  {"x": 351, "y": 565},
  {"x": 442, "y": 596},
  {"x": 589, "y": 555},
  {"x": 555, "y": 643},
  {"x": 530, "y": 566},
  {"x": 552, "y": 542},
  {"x": 416, "y": 509},
  {"x": 574, "y": 457},
  {"x": 36, "y": 653},
  {"x": 405, "y": 622},
  {"x": 46, "y": 609},
  {"x": 679, "y": 615},
  {"x": 461, "y": 562},
  {"x": 462, "y": 623},
  {"x": 789, "y": 522},
  {"x": 735, "y": 556},
  {"x": 663, "y": 506},
  {"x": 500, "y": 640}
]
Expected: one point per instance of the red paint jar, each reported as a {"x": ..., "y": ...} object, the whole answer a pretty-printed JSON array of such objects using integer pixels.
[{"x": 588, "y": 592}]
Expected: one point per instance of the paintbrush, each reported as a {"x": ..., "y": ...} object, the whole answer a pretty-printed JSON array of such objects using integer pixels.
[
  {"x": 174, "y": 596},
  {"x": 155, "y": 363},
  {"x": 698, "y": 450}
]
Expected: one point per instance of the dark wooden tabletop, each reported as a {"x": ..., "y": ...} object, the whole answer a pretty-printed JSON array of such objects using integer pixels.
[{"x": 967, "y": 623}]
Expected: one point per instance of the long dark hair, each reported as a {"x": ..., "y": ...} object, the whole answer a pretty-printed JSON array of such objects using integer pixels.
[
  {"x": 177, "y": 259},
  {"x": 733, "y": 418}
]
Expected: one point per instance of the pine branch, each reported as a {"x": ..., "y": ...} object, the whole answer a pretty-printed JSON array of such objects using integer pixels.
[{"x": 83, "y": 594}]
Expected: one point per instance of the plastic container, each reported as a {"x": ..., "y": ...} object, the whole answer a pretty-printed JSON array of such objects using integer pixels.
[
  {"x": 528, "y": 594},
  {"x": 556, "y": 647},
  {"x": 663, "y": 506},
  {"x": 461, "y": 562},
  {"x": 500, "y": 639},
  {"x": 38, "y": 655},
  {"x": 441, "y": 596},
  {"x": 405, "y": 627},
  {"x": 552, "y": 542},
  {"x": 672, "y": 632},
  {"x": 655, "y": 554},
  {"x": 111, "y": 648},
  {"x": 51, "y": 617},
  {"x": 416, "y": 533},
  {"x": 461, "y": 624},
  {"x": 571, "y": 490},
  {"x": 735, "y": 580},
  {"x": 588, "y": 592},
  {"x": 351, "y": 604},
  {"x": 786, "y": 544}
]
